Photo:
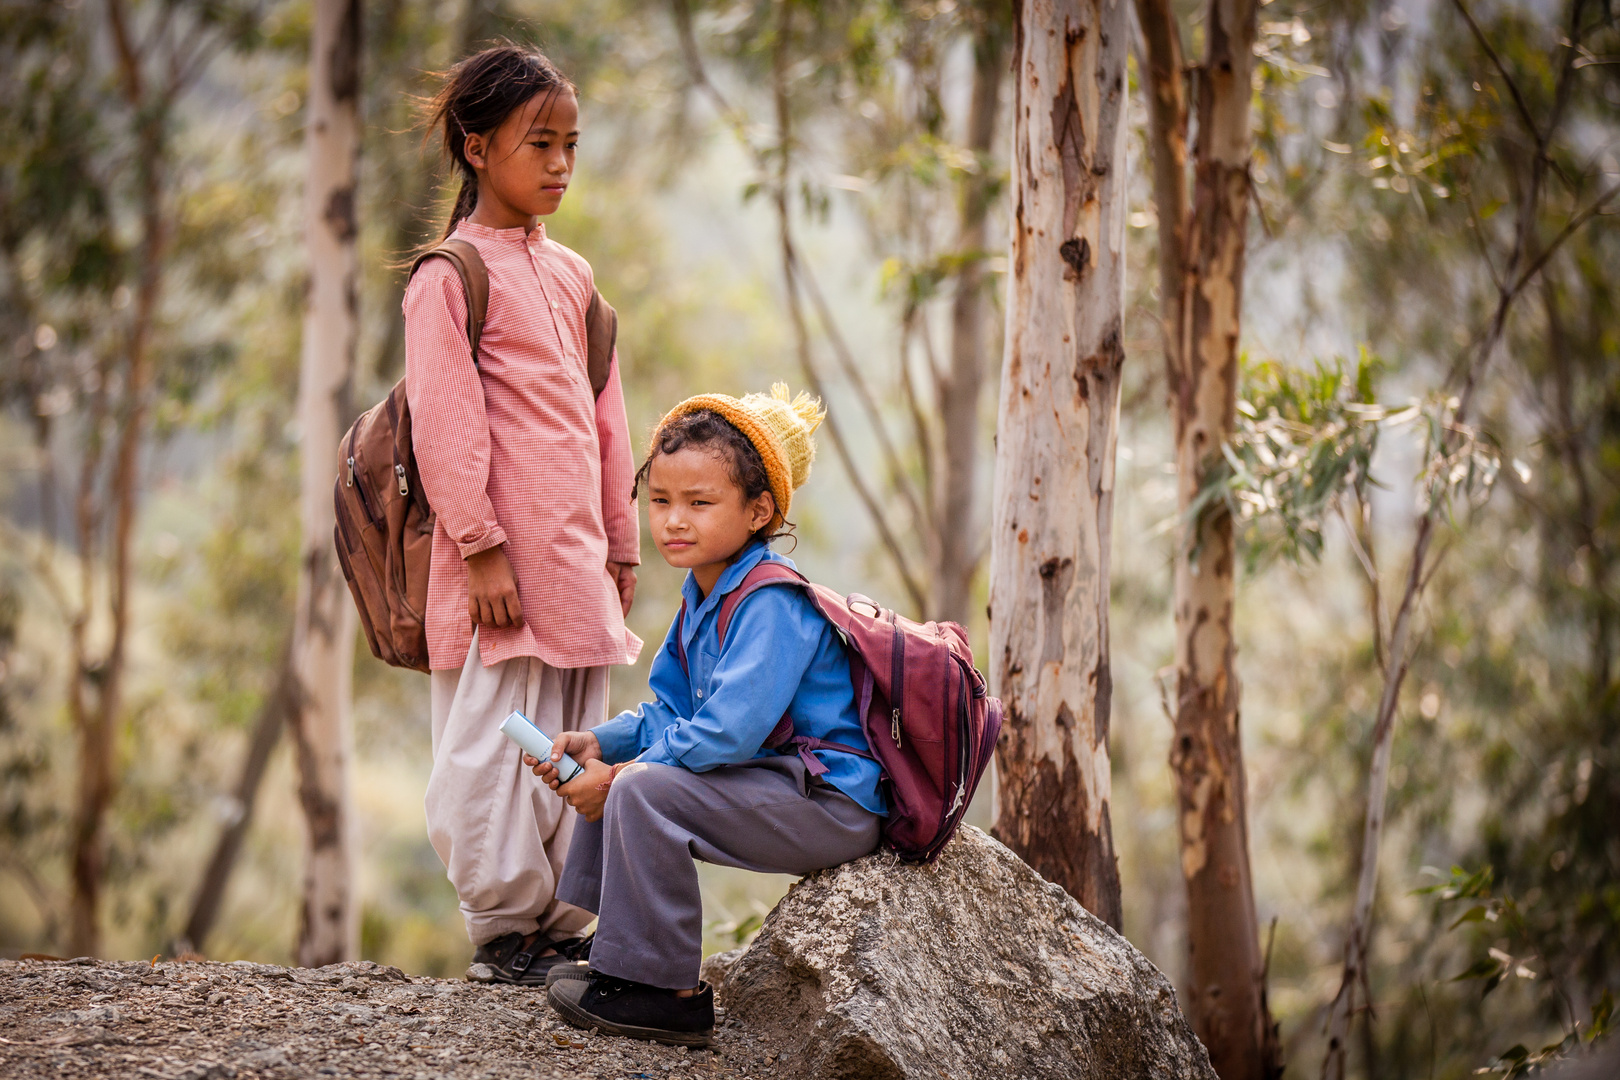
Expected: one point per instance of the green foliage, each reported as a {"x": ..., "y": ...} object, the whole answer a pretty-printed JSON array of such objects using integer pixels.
[
  {"x": 1305, "y": 439},
  {"x": 1499, "y": 923},
  {"x": 1387, "y": 208},
  {"x": 1393, "y": 160}
]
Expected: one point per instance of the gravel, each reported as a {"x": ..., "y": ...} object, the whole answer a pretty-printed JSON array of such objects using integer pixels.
[{"x": 213, "y": 1021}]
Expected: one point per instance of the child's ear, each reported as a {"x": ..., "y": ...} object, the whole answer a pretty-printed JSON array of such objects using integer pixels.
[
  {"x": 473, "y": 148},
  {"x": 762, "y": 511}
]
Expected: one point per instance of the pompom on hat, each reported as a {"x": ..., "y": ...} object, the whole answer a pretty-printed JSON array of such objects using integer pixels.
[{"x": 782, "y": 429}]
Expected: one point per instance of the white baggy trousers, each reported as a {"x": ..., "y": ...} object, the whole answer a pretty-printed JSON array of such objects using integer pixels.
[{"x": 501, "y": 833}]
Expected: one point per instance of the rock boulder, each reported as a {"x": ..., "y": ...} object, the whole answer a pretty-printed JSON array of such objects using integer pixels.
[{"x": 972, "y": 967}]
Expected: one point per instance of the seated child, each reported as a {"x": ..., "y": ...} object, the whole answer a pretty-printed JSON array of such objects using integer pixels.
[{"x": 685, "y": 775}]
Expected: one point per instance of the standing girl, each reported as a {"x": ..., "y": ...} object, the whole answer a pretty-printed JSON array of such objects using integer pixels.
[{"x": 530, "y": 475}]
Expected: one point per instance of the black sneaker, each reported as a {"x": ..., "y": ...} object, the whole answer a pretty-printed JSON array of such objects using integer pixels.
[
  {"x": 568, "y": 969},
  {"x": 635, "y": 1010},
  {"x": 507, "y": 959}
]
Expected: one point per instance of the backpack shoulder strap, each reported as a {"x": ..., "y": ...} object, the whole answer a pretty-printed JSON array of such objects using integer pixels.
[
  {"x": 474, "y": 279},
  {"x": 601, "y": 335},
  {"x": 766, "y": 573}
]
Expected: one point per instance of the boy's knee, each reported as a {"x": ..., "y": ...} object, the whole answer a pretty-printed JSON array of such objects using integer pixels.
[{"x": 642, "y": 784}]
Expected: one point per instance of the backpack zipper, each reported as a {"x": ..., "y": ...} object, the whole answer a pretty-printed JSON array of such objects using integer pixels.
[
  {"x": 399, "y": 471},
  {"x": 958, "y": 807},
  {"x": 897, "y": 676},
  {"x": 365, "y": 502}
]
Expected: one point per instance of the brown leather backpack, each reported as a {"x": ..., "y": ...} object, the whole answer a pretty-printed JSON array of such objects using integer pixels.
[{"x": 384, "y": 531}]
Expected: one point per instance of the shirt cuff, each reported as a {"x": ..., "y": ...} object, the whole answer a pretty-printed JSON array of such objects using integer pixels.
[
  {"x": 494, "y": 538},
  {"x": 617, "y": 738},
  {"x": 628, "y": 556}
]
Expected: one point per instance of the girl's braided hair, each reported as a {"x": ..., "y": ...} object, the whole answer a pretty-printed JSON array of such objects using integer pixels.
[
  {"x": 705, "y": 429},
  {"x": 478, "y": 95}
]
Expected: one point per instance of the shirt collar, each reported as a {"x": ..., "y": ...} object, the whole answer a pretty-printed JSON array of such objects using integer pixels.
[
  {"x": 698, "y": 605},
  {"x": 469, "y": 230}
]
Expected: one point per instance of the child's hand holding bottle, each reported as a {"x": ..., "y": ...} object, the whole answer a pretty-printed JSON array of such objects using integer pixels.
[{"x": 587, "y": 792}]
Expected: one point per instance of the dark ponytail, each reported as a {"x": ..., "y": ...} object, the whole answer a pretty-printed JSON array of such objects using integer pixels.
[{"x": 479, "y": 93}]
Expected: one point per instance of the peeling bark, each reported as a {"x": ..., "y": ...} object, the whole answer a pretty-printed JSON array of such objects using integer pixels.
[
  {"x": 1056, "y": 435},
  {"x": 1201, "y": 254},
  {"x": 323, "y": 635}
]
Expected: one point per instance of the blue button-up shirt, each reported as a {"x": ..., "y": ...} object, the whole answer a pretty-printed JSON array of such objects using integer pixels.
[{"x": 780, "y": 655}]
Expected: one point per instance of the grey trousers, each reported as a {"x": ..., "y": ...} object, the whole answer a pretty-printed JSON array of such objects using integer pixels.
[{"x": 634, "y": 867}]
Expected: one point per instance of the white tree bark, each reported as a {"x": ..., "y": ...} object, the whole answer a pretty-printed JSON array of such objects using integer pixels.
[
  {"x": 1056, "y": 435},
  {"x": 323, "y": 638}
]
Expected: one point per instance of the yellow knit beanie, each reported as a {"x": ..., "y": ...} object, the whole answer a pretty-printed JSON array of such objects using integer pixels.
[{"x": 780, "y": 427}]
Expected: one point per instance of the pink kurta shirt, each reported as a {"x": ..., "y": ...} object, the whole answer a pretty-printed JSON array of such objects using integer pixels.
[{"x": 520, "y": 452}]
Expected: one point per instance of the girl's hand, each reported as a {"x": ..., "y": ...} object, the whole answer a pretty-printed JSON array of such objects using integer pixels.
[
  {"x": 492, "y": 596},
  {"x": 579, "y": 745},
  {"x": 588, "y": 791},
  {"x": 624, "y": 576}
]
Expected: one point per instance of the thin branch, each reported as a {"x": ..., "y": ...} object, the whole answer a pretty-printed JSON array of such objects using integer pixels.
[
  {"x": 846, "y": 360},
  {"x": 863, "y": 393},
  {"x": 1364, "y": 556},
  {"x": 274, "y": 713},
  {"x": 1478, "y": 233},
  {"x": 1501, "y": 69},
  {"x": 733, "y": 116},
  {"x": 791, "y": 276},
  {"x": 157, "y": 31},
  {"x": 1569, "y": 229},
  {"x": 1421, "y": 569},
  {"x": 1434, "y": 566},
  {"x": 930, "y": 354},
  {"x": 835, "y": 433},
  {"x": 792, "y": 267},
  {"x": 919, "y": 421},
  {"x": 1566, "y": 73},
  {"x": 129, "y": 57}
]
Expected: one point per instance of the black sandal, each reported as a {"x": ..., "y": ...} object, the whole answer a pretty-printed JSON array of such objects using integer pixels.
[{"x": 507, "y": 959}]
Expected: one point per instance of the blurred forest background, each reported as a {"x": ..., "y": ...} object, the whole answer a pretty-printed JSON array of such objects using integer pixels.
[{"x": 1393, "y": 147}]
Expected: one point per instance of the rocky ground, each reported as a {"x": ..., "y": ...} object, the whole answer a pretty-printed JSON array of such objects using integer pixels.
[{"x": 206, "y": 1021}]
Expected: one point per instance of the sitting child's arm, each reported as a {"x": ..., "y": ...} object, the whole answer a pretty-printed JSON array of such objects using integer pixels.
[
  {"x": 772, "y": 641},
  {"x": 620, "y": 739}
]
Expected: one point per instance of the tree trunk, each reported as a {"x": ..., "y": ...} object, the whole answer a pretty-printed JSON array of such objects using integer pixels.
[
  {"x": 957, "y": 552},
  {"x": 1056, "y": 435},
  {"x": 96, "y": 692},
  {"x": 1201, "y": 254},
  {"x": 323, "y": 636},
  {"x": 210, "y": 896}
]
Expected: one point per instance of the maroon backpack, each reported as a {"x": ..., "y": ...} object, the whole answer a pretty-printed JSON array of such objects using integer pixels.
[{"x": 929, "y": 722}]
